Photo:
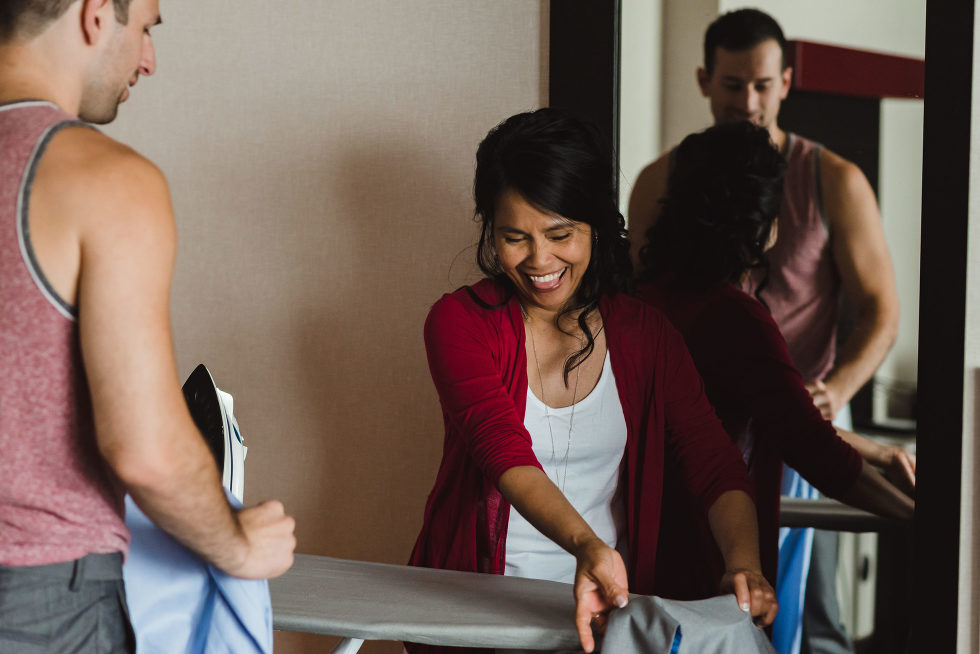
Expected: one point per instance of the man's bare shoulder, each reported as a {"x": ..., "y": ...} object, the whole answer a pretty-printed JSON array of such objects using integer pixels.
[
  {"x": 644, "y": 204},
  {"x": 654, "y": 174},
  {"x": 89, "y": 165},
  {"x": 95, "y": 178},
  {"x": 841, "y": 177}
]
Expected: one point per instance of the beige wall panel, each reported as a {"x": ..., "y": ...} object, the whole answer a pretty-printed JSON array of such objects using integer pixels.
[{"x": 320, "y": 155}]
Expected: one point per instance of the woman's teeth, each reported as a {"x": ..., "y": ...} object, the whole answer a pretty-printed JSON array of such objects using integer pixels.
[{"x": 542, "y": 279}]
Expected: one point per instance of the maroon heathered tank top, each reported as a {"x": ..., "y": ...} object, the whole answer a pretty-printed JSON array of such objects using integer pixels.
[
  {"x": 58, "y": 499},
  {"x": 804, "y": 285}
]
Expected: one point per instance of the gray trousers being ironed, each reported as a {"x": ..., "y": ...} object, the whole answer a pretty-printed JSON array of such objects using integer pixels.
[{"x": 65, "y": 608}]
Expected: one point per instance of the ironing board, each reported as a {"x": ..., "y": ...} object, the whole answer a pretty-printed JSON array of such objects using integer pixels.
[{"x": 376, "y": 601}]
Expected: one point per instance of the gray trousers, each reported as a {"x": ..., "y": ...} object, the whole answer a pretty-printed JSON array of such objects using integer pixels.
[
  {"x": 822, "y": 629},
  {"x": 76, "y": 606}
]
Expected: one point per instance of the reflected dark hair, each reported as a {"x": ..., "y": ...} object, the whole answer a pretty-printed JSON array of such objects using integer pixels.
[
  {"x": 723, "y": 194},
  {"x": 28, "y": 18},
  {"x": 740, "y": 30},
  {"x": 562, "y": 166}
]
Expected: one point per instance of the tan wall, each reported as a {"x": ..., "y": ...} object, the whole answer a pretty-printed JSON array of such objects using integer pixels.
[{"x": 320, "y": 155}]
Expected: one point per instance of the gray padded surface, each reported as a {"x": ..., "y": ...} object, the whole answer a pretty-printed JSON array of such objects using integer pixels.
[{"x": 376, "y": 601}]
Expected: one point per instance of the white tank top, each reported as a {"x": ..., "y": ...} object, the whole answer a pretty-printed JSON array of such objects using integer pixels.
[{"x": 589, "y": 478}]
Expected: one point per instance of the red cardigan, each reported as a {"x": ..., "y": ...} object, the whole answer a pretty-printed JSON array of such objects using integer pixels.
[
  {"x": 761, "y": 399},
  {"x": 478, "y": 363}
]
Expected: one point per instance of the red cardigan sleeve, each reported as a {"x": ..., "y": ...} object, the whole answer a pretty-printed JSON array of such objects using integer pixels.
[
  {"x": 464, "y": 353},
  {"x": 709, "y": 463},
  {"x": 759, "y": 367}
]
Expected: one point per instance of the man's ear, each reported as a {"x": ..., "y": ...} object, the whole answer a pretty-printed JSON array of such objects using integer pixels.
[
  {"x": 787, "y": 78},
  {"x": 94, "y": 14},
  {"x": 703, "y": 78}
]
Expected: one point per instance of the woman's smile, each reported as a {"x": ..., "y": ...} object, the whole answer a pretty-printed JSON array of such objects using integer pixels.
[
  {"x": 549, "y": 282},
  {"x": 543, "y": 254}
]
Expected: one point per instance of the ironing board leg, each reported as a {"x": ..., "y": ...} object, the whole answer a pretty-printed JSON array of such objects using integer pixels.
[{"x": 348, "y": 646}]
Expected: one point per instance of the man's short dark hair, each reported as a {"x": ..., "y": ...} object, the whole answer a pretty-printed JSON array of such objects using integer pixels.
[
  {"x": 27, "y": 18},
  {"x": 740, "y": 30}
]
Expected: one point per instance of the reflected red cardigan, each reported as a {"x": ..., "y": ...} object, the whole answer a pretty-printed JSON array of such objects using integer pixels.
[
  {"x": 478, "y": 363},
  {"x": 760, "y": 397}
]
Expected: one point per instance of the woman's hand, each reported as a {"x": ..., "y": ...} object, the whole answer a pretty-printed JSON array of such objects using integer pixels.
[
  {"x": 600, "y": 586},
  {"x": 753, "y": 594},
  {"x": 733, "y": 523},
  {"x": 899, "y": 468}
]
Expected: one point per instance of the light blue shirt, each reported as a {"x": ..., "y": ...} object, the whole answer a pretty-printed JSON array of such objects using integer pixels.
[{"x": 179, "y": 603}]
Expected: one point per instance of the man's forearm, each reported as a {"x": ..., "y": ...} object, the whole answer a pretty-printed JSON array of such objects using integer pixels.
[
  {"x": 181, "y": 492},
  {"x": 875, "y": 330},
  {"x": 874, "y": 453}
]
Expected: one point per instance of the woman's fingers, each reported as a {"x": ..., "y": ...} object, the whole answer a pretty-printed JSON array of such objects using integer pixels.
[
  {"x": 615, "y": 595},
  {"x": 742, "y": 594},
  {"x": 753, "y": 594},
  {"x": 583, "y": 624},
  {"x": 600, "y": 586},
  {"x": 770, "y": 617}
]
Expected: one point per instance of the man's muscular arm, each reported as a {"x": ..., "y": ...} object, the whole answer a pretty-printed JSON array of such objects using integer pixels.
[
  {"x": 861, "y": 257},
  {"x": 119, "y": 206},
  {"x": 644, "y": 207}
]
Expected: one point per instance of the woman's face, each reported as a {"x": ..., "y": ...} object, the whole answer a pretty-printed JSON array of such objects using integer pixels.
[{"x": 543, "y": 254}]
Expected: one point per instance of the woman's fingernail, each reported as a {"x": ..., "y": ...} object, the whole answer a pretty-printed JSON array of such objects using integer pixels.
[
  {"x": 621, "y": 601},
  {"x": 746, "y": 607}
]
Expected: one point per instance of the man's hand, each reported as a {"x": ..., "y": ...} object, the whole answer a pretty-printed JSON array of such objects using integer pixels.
[
  {"x": 753, "y": 594},
  {"x": 269, "y": 542},
  {"x": 825, "y": 399},
  {"x": 600, "y": 586}
]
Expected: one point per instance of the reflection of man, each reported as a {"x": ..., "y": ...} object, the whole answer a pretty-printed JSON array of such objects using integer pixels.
[
  {"x": 830, "y": 236},
  {"x": 91, "y": 404}
]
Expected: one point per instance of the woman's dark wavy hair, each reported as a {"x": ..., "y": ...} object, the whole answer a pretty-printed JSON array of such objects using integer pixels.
[
  {"x": 562, "y": 166},
  {"x": 723, "y": 195}
]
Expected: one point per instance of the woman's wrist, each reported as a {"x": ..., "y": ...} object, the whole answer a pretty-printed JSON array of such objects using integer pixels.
[
  {"x": 743, "y": 566},
  {"x": 741, "y": 560},
  {"x": 585, "y": 541}
]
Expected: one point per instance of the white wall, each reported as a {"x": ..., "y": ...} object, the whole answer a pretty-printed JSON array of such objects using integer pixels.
[
  {"x": 892, "y": 26},
  {"x": 900, "y": 198},
  {"x": 968, "y": 632},
  {"x": 684, "y": 110},
  {"x": 640, "y": 99}
]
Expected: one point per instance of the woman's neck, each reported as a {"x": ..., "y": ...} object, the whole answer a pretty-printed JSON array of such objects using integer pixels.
[{"x": 564, "y": 322}]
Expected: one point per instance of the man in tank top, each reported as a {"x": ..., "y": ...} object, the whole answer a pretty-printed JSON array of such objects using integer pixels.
[
  {"x": 830, "y": 239},
  {"x": 90, "y": 403}
]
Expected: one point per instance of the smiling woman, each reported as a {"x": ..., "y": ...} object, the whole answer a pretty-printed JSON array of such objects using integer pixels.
[{"x": 564, "y": 399}]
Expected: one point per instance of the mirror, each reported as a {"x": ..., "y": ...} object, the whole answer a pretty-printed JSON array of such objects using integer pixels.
[{"x": 661, "y": 103}]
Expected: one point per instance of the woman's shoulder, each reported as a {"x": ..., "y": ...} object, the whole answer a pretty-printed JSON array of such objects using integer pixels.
[
  {"x": 485, "y": 301},
  {"x": 741, "y": 309}
]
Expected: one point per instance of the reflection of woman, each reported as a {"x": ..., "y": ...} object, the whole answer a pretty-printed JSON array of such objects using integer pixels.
[
  {"x": 565, "y": 400},
  {"x": 718, "y": 219}
]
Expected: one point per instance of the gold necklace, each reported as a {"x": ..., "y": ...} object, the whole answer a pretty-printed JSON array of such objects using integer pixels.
[{"x": 561, "y": 476}]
